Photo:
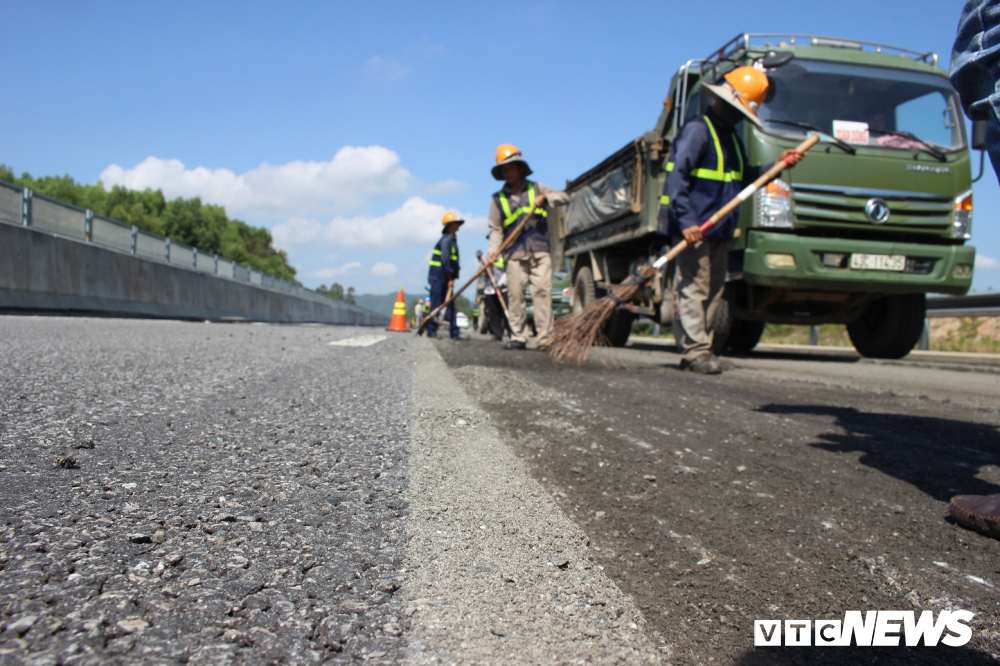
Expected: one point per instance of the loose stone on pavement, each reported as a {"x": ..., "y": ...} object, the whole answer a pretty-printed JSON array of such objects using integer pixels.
[{"x": 253, "y": 494}]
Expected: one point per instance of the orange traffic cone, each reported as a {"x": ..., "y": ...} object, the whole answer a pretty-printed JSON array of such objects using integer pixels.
[{"x": 398, "y": 322}]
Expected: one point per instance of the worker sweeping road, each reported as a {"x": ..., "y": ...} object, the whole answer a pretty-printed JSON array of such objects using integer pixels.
[
  {"x": 495, "y": 296},
  {"x": 708, "y": 167},
  {"x": 527, "y": 260},
  {"x": 443, "y": 273}
]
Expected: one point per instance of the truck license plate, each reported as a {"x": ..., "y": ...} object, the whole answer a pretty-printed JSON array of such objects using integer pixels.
[{"x": 878, "y": 262}]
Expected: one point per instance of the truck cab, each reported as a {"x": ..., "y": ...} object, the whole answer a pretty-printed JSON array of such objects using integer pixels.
[{"x": 876, "y": 216}]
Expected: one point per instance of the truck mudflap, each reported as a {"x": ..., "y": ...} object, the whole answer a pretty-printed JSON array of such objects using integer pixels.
[{"x": 842, "y": 265}]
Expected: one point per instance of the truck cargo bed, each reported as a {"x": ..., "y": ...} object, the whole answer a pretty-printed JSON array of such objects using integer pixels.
[{"x": 605, "y": 193}]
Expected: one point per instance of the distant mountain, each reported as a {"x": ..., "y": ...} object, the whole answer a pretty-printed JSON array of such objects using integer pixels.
[
  {"x": 383, "y": 303},
  {"x": 380, "y": 303}
]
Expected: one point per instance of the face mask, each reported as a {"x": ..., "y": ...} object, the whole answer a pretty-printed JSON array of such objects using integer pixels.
[{"x": 730, "y": 115}]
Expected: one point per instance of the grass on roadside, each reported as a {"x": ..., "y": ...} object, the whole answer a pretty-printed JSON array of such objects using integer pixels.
[{"x": 979, "y": 335}]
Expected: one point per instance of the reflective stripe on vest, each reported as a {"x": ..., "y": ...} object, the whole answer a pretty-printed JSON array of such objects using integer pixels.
[
  {"x": 511, "y": 217},
  {"x": 436, "y": 255},
  {"x": 719, "y": 173}
]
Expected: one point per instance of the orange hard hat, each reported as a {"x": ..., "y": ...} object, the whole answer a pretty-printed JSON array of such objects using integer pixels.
[
  {"x": 751, "y": 85},
  {"x": 451, "y": 217},
  {"x": 505, "y": 150},
  {"x": 507, "y": 153}
]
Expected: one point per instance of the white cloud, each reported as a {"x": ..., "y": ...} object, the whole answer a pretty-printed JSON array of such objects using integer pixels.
[
  {"x": 297, "y": 231},
  {"x": 987, "y": 263},
  {"x": 416, "y": 222},
  {"x": 334, "y": 273},
  {"x": 388, "y": 68},
  {"x": 350, "y": 182},
  {"x": 384, "y": 269}
]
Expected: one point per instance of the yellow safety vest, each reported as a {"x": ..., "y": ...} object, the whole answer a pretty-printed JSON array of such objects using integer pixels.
[
  {"x": 512, "y": 217},
  {"x": 719, "y": 173}
]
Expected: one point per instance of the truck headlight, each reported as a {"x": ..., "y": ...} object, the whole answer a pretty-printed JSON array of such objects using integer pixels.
[
  {"x": 961, "y": 225},
  {"x": 772, "y": 206}
]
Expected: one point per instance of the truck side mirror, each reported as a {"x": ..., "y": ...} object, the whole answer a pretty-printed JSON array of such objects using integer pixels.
[
  {"x": 979, "y": 134},
  {"x": 775, "y": 59}
]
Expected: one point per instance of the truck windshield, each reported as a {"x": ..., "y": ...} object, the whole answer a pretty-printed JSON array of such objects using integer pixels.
[{"x": 865, "y": 106}]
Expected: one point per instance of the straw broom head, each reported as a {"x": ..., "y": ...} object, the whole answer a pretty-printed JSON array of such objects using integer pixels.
[{"x": 575, "y": 334}]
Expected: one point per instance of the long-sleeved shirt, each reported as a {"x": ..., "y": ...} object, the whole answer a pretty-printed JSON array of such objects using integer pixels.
[
  {"x": 444, "y": 260},
  {"x": 697, "y": 186},
  {"x": 975, "y": 59},
  {"x": 527, "y": 242}
]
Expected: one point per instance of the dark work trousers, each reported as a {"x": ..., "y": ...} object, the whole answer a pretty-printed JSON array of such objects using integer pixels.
[
  {"x": 495, "y": 318},
  {"x": 439, "y": 290}
]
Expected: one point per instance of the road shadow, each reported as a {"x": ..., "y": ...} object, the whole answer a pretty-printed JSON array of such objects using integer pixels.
[
  {"x": 941, "y": 457},
  {"x": 818, "y": 356},
  {"x": 848, "y": 355},
  {"x": 851, "y": 655}
]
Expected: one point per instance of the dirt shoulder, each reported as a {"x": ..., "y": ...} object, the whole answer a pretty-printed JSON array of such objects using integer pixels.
[{"x": 784, "y": 489}]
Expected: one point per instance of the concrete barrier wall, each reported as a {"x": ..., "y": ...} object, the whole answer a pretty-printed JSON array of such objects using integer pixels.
[{"x": 40, "y": 271}]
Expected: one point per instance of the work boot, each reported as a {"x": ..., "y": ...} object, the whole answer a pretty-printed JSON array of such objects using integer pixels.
[
  {"x": 514, "y": 344},
  {"x": 432, "y": 335},
  {"x": 724, "y": 363},
  {"x": 461, "y": 337},
  {"x": 706, "y": 364},
  {"x": 977, "y": 512}
]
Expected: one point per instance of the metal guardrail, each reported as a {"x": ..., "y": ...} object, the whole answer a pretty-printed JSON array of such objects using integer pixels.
[
  {"x": 24, "y": 207},
  {"x": 972, "y": 305}
]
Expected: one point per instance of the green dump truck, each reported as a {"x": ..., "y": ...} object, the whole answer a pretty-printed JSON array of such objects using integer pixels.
[{"x": 877, "y": 216}]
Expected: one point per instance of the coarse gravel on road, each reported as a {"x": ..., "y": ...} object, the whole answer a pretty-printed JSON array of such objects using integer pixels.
[{"x": 176, "y": 492}]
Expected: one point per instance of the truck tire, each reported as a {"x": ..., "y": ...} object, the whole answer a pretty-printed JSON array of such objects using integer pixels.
[
  {"x": 584, "y": 289},
  {"x": 619, "y": 327},
  {"x": 722, "y": 325},
  {"x": 890, "y": 327},
  {"x": 744, "y": 335}
]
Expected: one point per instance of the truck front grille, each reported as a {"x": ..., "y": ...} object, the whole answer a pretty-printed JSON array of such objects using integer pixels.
[{"x": 821, "y": 209}]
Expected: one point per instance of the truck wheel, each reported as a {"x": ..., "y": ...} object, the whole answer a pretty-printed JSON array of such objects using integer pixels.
[
  {"x": 619, "y": 327},
  {"x": 890, "y": 327},
  {"x": 584, "y": 289},
  {"x": 744, "y": 335},
  {"x": 722, "y": 325}
]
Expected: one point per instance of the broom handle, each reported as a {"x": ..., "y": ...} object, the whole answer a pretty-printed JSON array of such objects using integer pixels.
[
  {"x": 503, "y": 246},
  {"x": 499, "y": 295},
  {"x": 747, "y": 192}
]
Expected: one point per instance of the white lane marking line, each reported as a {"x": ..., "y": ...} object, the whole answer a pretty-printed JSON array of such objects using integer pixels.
[{"x": 360, "y": 341}]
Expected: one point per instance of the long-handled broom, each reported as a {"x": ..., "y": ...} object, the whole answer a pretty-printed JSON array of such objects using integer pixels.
[
  {"x": 503, "y": 246},
  {"x": 496, "y": 288},
  {"x": 575, "y": 334}
]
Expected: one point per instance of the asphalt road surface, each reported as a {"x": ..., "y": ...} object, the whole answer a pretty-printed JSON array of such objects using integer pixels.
[
  {"x": 199, "y": 493},
  {"x": 795, "y": 486},
  {"x": 185, "y": 493}
]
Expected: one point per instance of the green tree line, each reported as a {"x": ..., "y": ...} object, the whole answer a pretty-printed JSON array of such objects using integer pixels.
[
  {"x": 336, "y": 291},
  {"x": 188, "y": 221}
]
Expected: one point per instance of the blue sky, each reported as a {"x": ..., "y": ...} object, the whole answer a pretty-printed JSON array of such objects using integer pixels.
[{"x": 350, "y": 128}]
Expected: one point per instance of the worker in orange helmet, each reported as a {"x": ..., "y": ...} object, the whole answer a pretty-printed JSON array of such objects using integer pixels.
[
  {"x": 527, "y": 259},
  {"x": 706, "y": 168}
]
